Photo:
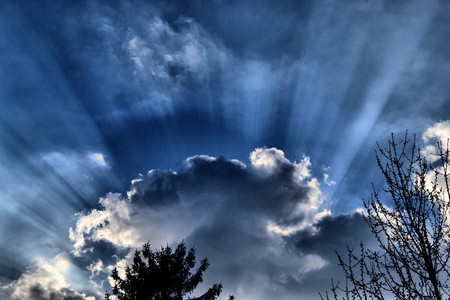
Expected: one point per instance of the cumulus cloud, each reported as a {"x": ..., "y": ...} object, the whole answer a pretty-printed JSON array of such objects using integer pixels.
[
  {"x": 46, "y": 279},
  {"x": 438, "y": 132},
  {"x": 112, "y": 223},
  {"x": 237, "y": 214},
  {"x": 270, "y": 160},
  {"x": 435, "y": 136}
]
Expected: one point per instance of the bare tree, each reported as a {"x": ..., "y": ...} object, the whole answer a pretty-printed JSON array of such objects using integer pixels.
[{"x": 412, "y": 230}]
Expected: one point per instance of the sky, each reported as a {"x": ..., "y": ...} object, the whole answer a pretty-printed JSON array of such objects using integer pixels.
[{"x": 245, "y": 128}]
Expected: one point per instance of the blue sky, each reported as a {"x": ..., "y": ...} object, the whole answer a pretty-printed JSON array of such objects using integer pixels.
[{"x": 245, "y": 128}]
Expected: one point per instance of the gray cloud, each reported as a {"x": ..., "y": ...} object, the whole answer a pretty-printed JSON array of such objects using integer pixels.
[
  {"x": 36, "y": 292},
  {"x": 333, "y": 234},
  {"x": 235, "y": 214},
  {"x": 262, "y": 225}
]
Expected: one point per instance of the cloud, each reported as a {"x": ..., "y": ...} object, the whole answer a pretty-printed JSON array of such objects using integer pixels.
[
  {"x": 438, "y": 132},
  {"x": 113, "y": 224},
  {"x": 156, "y": 82},
  {"x": 435, "y": 136},
  {"x": 236, "y": 214},
  {"x": 269, "y": 161},
  {"x": 332, "y": 234},
  {"x": 46, "y": 279},
  {"x": 163, "y": 52},
  {"x": 327, "y": 180},
  {"x": 99, "y": 159},
  {"x": 149, "y": 64}
]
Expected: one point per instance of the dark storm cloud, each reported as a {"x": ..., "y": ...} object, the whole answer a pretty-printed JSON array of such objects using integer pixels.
[
  {"x": 39, "y": 293},
  {"x": 237, "y": 215},
  {"x": 333, "y": 235},
  {"x": 275, "y": 195},
  {"x": 233, "y": 213}
]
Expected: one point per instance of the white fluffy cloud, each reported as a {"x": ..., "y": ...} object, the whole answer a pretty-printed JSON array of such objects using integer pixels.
[
  {"x": 113, "y": 223},
  {"x": 46, "y": 279},
  {"x": 437, "y": 132},
  {"x": 270, "y": 160},
  {"x": 267, "y": 160}
]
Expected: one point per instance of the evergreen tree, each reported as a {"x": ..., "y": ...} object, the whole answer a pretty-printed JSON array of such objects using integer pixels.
[{"x": 163, "y": 274}]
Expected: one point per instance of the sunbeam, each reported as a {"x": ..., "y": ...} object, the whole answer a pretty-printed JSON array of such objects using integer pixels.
[{"x": 246, "y": 129}]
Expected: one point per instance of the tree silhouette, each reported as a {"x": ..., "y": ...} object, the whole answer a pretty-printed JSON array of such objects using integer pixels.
[
  {"x": 163, "y": 274},
  {"x": 413, "y": 234}
]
